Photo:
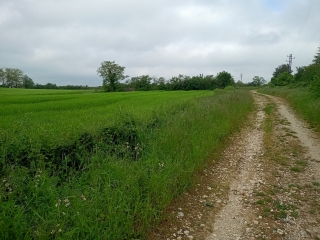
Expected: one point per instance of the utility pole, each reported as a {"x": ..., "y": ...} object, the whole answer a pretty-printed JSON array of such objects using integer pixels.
[
  {"x": 290, "y": 62},
  {"x": 241, "y": 76}
]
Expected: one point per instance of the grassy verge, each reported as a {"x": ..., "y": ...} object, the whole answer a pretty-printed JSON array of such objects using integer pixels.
[
  {"x": 305, "y": 103},
  {"x": 115, "y": 180}
]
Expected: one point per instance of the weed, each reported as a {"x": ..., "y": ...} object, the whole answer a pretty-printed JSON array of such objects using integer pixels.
[
  {"x": 295, "y": 169},
  {"x": 317, "y": 184},
  {"x": 261, "y": 194},
  {"x": 301, "y": 163}
]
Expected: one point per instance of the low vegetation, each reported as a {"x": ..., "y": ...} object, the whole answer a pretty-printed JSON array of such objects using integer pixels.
[
  {"x": 301, "y": 90},
  {"x": 83, "y": 165},
  {"x": 302, "y": 100}
]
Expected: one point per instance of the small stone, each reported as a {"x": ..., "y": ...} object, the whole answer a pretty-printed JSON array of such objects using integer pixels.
[
  {"x": 255, "y": 222},
  {"x": 219, "y": 201},
  {"x": 202, "y": 225},
  {"x": 179, "y": 238},
  {"x": 180, "y": 214},
  {"x": 186, "y": 232},
  {"x": 248, "y": 230},
  {"x": 260, "y": 217},
  {"x": 190, "y": 237},
  {"x": 279, "y": 231}
]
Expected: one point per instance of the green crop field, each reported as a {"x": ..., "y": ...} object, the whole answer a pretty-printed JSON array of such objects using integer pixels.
[{"x": 86, "y": 165}]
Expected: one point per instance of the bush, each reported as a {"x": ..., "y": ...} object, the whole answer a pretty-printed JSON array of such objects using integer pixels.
[
  {"x": 315, "y": 86},
  {"x": 282, "y": 80}
]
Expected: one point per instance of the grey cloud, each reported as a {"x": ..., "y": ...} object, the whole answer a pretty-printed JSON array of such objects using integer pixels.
[{"x": 64, "y": 41}]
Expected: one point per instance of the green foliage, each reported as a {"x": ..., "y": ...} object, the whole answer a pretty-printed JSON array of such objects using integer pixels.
[
  {"x": 111, "y": 74},
  {"x": 284, "y": 68},
  {"x": 298, "y": 75},
  {"x": 310, "y": 73},
  {"x": 315, "y": 86},
  {"x": 110, "y": 195},
  {"x": 27, "y": 82},
  {"x": 2, "y": 76},
  {"x": 316, "y": 58},
  {"x": 224, "y": 79},
  {"x": 302, "y": 100},
  {"x": 283, "y": 79},
  {"x": 141, "y": 83},
  {"x": 14, "y": 77},
  {"x": 258, "y": 81}
]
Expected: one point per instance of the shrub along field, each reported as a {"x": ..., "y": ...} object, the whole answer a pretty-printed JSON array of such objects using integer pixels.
[
  {"x": 84, "y": 165},
  {"x": 306, "y": 103}
]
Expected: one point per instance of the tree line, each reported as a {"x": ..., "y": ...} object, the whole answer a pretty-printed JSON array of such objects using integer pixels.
[
  {"x": 15, "y": 78},
  {"x": 112, "y": 74},
  {"x": 305, "y": 76}
]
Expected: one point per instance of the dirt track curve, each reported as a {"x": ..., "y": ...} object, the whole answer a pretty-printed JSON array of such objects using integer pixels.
[{"x": 266, "y": 184}]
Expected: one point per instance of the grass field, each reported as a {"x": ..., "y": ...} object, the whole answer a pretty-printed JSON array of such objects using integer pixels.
[
  {"x": 84, "y": 165},
  {"x": 301, "y": 100}
]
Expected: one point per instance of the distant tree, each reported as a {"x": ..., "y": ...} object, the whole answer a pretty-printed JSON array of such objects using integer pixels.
[
  {"x": 316, "y": 58},
  {"x": 258, "y": 81},
  {"x": 281, "y": 69},
  {"x": 51, "y": 86},
  {"x": 240, "y": 84},
  {"x": 2, "y": 76},
  {"x": 14, "y": 77},
  {"x": 141, "y": 83},
  {"x": 111, "y": 74},
  {"x": 27, "y": 82},
  {"x": 159, "y": 83},
  {"x": 175, "y": 83},
  {"x": 224, "y": 79}
]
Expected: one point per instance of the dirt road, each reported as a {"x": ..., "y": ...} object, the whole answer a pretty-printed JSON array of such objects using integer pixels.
[{"x": 266, "y": 184}]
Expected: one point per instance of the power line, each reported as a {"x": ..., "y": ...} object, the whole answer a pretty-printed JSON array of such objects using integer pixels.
[
  {"x": 303, "y": 24},
  {"x": 316, "y": 31}
]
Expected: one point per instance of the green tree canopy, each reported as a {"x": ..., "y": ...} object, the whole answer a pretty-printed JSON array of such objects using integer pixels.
[
  {"x": 316, "y": 58},
  {"x": 111, "y": 74},
  {"x": 27, "y": 82},
  {"x": 224, "y": 79},
  {"x": 14, "y": 77},
  {"x": 281, "y": 69},
  {"x": 283, "y": 79},
  {"x": 141, "y": 83},
  {"x": 298, "y": 75},
  {"x": 2, "y": 76},
  {"x": 258, "y": 81}
]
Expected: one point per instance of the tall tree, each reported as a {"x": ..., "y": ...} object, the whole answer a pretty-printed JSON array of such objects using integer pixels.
[
  {"x": 14, "y": 77},
  {"x": 316, "y": 58},
  {"x": 141, "y": 83},
  {"x": 258, "y": 81},
  {"x": 2, "y": 76},
  {"x": 224, "y": 79},
  {"x": 27, "y": 82},
  {"x": 281, "y": 69},
  {"x": 111, "y": 74}
]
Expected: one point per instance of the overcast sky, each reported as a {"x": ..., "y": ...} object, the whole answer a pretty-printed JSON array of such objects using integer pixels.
[{"x": 65, "y": 41}]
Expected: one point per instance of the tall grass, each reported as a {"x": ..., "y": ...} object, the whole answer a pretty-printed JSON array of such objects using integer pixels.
[
  {"x": 306, "y": 104},
  {"x": 127, "y": 177}
]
